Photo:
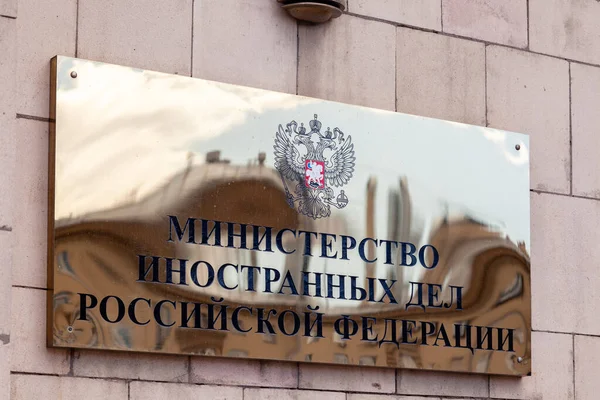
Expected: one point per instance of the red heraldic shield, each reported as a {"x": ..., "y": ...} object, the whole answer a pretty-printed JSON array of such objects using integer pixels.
[{"x": 314, "y": 174}]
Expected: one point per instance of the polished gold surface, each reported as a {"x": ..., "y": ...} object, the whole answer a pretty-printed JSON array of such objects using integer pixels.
[{"x": 130, "y": 148}]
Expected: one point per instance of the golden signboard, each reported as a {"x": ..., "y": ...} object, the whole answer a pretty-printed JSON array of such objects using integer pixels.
[{"x": 195, "y": 217}]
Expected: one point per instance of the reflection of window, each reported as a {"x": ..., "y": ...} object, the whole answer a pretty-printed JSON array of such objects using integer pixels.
[
  {"x": 311, "y": 339},
  {"x": 513, "y": 291},
  {"x": 340, "y": 358},
  {"x": 237, "y": 353},
  {"x": 337, "y": 338},
  {"x": 367, "y": 360},
  {"x": 124, "y": 337},
  {"x": 462, "y": 328},
  {"x": 63, "y": 262},
  {"x": 210, "y": 352},
  {"x": 269, "y": 338}
]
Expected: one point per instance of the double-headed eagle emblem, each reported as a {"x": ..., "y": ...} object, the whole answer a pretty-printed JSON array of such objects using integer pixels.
[{"x": 300, "y": 160}]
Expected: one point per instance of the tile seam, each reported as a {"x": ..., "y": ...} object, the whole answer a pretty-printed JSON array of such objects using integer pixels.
[{"x": 452, "y": 35}]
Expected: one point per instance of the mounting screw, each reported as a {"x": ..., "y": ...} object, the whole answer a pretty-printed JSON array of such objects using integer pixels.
[
  {"x": 70, "y": 329},
  {"x": 518, "y": 147},
  {"x": 73, "y": 74},
  {"x": 519, "y": 359}
]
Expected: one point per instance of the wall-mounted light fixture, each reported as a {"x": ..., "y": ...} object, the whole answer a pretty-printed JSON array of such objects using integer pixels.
[{"x": 316, "y": 11}]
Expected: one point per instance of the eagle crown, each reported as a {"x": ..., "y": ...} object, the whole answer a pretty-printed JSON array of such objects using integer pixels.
[{"x": 327, "y": 139}]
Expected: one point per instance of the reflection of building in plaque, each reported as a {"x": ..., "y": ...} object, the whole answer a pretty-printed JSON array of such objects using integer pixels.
[
  {"x": 493, "y": 271},
  {"x": 177, "y": 227}
]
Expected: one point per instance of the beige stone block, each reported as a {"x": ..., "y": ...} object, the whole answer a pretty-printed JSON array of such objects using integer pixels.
[
  {"x": 28, "y": 335},
  {"x": 362, "y": 396},
  {"x": 351, "y": 379},
  {"x": 222, "y": 371},
  {"x": 245, "y": 42},
  {"x": 565, "y": 28},
  {"x": 285, "y": 394},
  {"x": 350, "y": 60},
  {"x": 529, "y": 93},
  {"x": 587, "y": 360},
  {"x": 32, "y": 387},
  {"x": 152, "y": 390},
  {"x": 585, "y": 103},
  {"x": 423, "y": 13},
  {"x": 436, "y": 383},
  {"x": 6, "y": 250},
  {"x": 44, "y": 29},
  {"x": 564, "y": 282},
  {"x": 502, "y": 22},
  {"x": 31, "y": 209},
  {"x": 8, "y": 46},
  {"x": 8, "y": 66},
  {"x": 137, "y": 366},
  {"x": 7, "y": 175},
  {"x": 153, "y": 35},
  {"x": 8, "y": 8},
  {"x": 440, "y": 77},
  {"x": 552, "y": 371},
  {"x": 8, "y": 30},
  {"x": 5, "y": 350}
]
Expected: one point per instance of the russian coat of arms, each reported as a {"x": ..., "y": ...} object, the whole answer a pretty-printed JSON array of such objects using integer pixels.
[{"x": 300, "y": 158}]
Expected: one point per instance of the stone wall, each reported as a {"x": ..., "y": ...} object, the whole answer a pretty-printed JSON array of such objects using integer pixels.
[{"x": 531, "y": 66}]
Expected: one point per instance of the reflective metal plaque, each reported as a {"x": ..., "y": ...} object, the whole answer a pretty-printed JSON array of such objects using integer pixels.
[{"x": 195, "y": 217}]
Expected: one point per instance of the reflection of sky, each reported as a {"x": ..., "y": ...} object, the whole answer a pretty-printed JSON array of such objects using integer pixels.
[
  {"x": 473, "y": 168},
  {"x": 468, "y": 170},
  {"x": 122, "y": 125},
  {"x": 126, "y": 125}
]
